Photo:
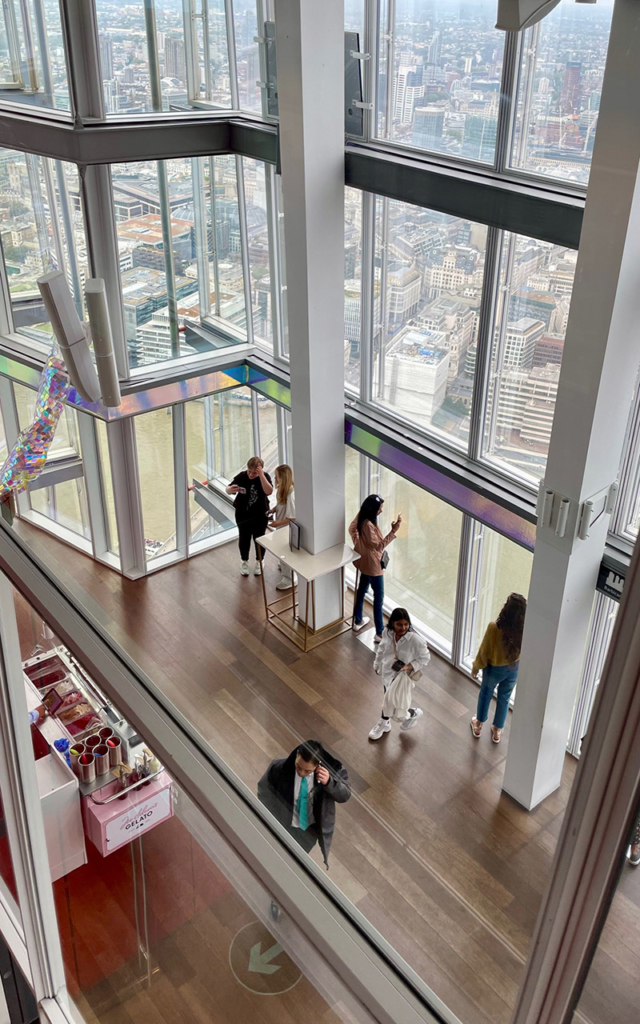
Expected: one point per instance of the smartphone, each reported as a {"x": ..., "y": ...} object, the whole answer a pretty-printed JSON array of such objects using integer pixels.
[
  {"x": 397, "y": 665},
  {"x": 241, "y": 490}
]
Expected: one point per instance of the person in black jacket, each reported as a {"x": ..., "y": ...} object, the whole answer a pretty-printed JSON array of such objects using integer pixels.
[
  {"x": 302, "y": 790},
  {"x": 251, "y": 488}
]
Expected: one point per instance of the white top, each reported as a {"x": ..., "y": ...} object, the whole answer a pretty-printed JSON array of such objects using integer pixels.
[
  {"x": 288, "y": 510},
  {"x": 410, "y": 648},
  {"x": 310, "y": 567},
  {"x": 311, "y": 782}
]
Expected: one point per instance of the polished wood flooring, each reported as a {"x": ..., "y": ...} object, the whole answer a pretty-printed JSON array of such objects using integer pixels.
[{"x": 449, "y": 869}]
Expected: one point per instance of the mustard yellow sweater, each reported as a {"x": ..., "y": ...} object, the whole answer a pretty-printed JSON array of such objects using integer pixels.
[{"x": 491, "y": 650}]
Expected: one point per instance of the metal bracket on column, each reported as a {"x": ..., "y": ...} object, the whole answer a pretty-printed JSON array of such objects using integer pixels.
[{"x": 567, "y": 517}]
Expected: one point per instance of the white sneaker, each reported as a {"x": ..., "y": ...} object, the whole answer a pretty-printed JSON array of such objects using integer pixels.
[
  {"x": 284, "y": 583},
  {"x": 379, "y": 729},
  {"x": 410, "y": 722},
  {"x": 357, "y": 626},
  {"x": 258, "y": 570},
  {"x": 244, "y": 568},
  {"x": 377, "y": 640}
]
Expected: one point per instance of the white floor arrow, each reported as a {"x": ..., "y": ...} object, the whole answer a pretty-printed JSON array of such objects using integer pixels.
[{"x": 261, "y": 962}]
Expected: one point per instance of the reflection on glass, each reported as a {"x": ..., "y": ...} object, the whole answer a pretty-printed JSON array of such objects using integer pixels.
[
  {"x": 352, "y": 285},
  {"x": 65, "y": 440},
  {"x": 611, "y": 989},
  {"x": 603, "y": 617},
  {"x": 8, "y": 888},
  {"x": 33, "y": 68},
  {"x": 41, "y": 227},
  {"x": 440, "y": 66},
  {"x": 258, "y": 246},
  {"x": 246, "y": 30},
  {"x": 497, "y": 568},
  {"x": 423, "y": 560},
  {"x": 154, "y": 444},
  {"x": 429, "y": 269},
  {"x": 536, "y": 280},
  {"x": 193, "y": 68},
  {"x": 219, "y": 443},
  {"x": 559, "y": 89}
]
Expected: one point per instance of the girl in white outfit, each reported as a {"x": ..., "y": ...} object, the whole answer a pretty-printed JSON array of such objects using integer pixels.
[
  {"x": 400, "y": 659},
  {"x": 285, "y": 511}
]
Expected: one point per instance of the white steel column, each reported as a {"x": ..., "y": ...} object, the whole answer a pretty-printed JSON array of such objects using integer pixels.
[
  {"x": 310, "y": 47},
  {"x": 599, "y": 367},
  {"x": 126, "y": 496}
]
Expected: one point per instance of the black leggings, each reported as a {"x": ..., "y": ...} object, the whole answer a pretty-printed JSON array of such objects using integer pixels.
[{"x": 247, "y": 532}]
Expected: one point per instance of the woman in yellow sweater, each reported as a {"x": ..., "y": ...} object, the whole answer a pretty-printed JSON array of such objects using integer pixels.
[{"x": 498, "y": 656}]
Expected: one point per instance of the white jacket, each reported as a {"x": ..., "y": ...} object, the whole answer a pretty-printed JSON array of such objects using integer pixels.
[{"x": 411, "y": 649}]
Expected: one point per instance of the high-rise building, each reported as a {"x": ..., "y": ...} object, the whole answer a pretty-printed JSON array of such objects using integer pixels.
[
  {"x": 106, "y": 57},
  {"x": 520, "y": 342},
  {"x": 479, "y": 139},
  {"x": 428, "y": 126},
  {"x": 435, "y": 49},
  {"x": 570, "y": 95},
  {"x": 174, "y": 59}
]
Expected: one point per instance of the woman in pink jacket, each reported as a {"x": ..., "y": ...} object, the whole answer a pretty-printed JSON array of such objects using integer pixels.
[{"x": 370, "y": 545}]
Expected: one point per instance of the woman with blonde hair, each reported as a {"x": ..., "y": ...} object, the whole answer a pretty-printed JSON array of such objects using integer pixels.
[
  {"x": 498, "y": 657},
  {"x": 285, "y": 511}
]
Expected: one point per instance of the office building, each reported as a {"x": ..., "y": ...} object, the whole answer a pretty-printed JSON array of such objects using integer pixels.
[{"x": 203, "y": 817}]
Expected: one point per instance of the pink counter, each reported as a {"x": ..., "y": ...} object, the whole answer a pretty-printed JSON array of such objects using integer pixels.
[{"x": 111, "y": 825}]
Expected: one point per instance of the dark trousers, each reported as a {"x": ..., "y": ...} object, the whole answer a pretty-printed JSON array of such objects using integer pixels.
[
  {"x": 377, "y": 585},
  {"x": 306, "y": 839},
  {"x": 247, "y": 532}
]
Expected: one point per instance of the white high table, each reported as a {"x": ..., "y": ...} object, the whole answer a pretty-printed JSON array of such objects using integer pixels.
[{"x": 309, "y": 568}]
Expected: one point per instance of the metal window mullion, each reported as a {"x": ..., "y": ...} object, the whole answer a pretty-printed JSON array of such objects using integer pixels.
[
  {"x": 200, "y": 227},
  {"x": 384, "y": 303},
  {"x": 81, "y": 42},
  {"x": 488, "y": 306},
  {"x": 244, "y": 247},
  {"x": 13, "y": 42},
  {"x": 370, "y": 69},
  {"x": 367, "y": 294},
  {"x": 191, "y": 49},
  {"x": 180, "y": 477},
  {"x": 30, "y": 52},
  {"x": 261, "y": 17},
  {"x": 465, "y": 560},
  {"x": 629, "y": 472},
  {"x": 7, "y": 325},
  {"x": 102, "y": 249},
  {"x": 67, "y": 224},
  {"x": 23, "y": 812},
  {"x": 233, "y": 61},
  {"x": 507, "y": 105},
  {"x": 47, "y": 170},
  {"x": 390, "y": 70},
  {"x": 126, "y": 496},
  {"x": 93, "y": 481},
  {"x": 214, "y": 234},
  {"x": 274, "y": 260},
  {"x": 524, "y": 84},
  {"x": 255, "y": 424},
  {"x": 37, "y": 205},
  {"x": 281, "y": 419},
  {"x": 496, "y": 344}
]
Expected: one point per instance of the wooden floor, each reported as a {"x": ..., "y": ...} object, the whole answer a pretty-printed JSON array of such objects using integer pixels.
[{"x": 448, "y": 868}]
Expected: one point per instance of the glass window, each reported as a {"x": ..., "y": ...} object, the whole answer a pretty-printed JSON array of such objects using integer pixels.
[
  {"x": 353, "y": 200},
  {"x": 8, "y": 887},
  {"x": 497, "y": 568},
  {"x": 603, "y": 618},
  {"x": 246, "y": 29},
  {"x": 65, "y": 440},
  {"x": 429, "y": 269},
  {"x": 440, "y": 66},
  {"x": 423, "y": 560},
  {"x": 33, "y": 68},
  {"x": 219, "y": 443},
  {"x": 65, "y": 504},
  {"x": 154, "y": 444},
  {"x": 258, "y": 242},
  {"x": 163, "y": 300},
  {"x": 536, "y": 282},
  {"x": 187, "y": 71},
  {"x": 558, "y": 93},
  {"x": 611, "y": 987},
  {"x": 41, "y": 227}
]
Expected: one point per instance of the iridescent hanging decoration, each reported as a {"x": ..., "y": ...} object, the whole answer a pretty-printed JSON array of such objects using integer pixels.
[{"x": 29, "y": 454}]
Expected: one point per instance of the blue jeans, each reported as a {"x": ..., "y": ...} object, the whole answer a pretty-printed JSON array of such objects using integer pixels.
[
  {"x": 377, "y": 585},
  {"x": 504, "y": 677}
]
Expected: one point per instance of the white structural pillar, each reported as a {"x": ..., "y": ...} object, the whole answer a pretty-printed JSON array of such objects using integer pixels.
[
  {"x": 599, "y": 366},
  {"x": 310, "y": 55}
]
